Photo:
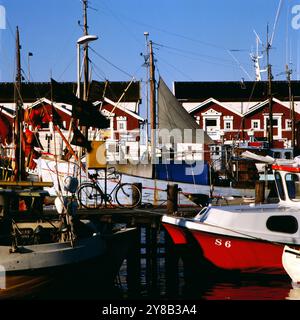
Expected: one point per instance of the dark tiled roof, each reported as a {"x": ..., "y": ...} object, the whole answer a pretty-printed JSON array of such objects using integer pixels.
[
  {"x": 35, "y": 90},
  {"x": 234, "y": 91},
  {"x": 114, "y": 91}
]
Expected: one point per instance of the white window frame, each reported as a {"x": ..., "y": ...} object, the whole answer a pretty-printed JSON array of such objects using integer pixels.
[
  {"x": 122, "y": 121},
  {"x": 287, "y": 127},
  {"x": 255, "y": 121},
  {"x": 230, "y": 125},
  {"x": 277, "y": 117}
]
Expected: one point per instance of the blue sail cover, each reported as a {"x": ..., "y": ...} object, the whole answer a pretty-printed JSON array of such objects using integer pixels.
[{"x": 183, "y": 172}]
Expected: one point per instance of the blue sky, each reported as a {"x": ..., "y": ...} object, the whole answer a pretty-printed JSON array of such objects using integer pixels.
[{"x": 192, "y": 38}]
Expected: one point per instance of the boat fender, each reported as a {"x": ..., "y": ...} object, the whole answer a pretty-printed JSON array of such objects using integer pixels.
[
  {"x": 59, "y": 204},
  {"x": 70, "y": 184}
]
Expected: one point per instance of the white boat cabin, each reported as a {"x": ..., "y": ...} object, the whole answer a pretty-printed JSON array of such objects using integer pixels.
[{"x": 287, "y": 178}]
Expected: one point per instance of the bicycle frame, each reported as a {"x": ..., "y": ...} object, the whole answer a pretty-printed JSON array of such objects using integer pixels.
[{"x": 106, "y": 196}]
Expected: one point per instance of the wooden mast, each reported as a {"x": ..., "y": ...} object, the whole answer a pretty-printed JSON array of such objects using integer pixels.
[
  {"x": 19, "y": 170},
  {"x": 152, "y": 99},
  {"x": 270, "y": 125},
  {"x": 86, "y": 55},
  {"x": 153, "y": 118}
]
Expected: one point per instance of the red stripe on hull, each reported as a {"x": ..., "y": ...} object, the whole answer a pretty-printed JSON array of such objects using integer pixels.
[
  {"x": 244, "y": 255},
  {"x": 176, "y": 233}
]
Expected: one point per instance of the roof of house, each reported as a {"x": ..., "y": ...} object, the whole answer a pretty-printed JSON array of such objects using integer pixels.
[
  {"x": 234, "y": 90},
  {"x": 212, "y": 100},
  {"x": 264, "y": 103},
  {"x": 33, "y": 91}
]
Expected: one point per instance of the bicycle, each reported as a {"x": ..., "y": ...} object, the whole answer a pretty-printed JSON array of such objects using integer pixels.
[{"x": 90, "y": 194}]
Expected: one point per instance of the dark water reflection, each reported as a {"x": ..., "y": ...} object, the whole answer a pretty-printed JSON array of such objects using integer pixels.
[{"x": 203, "y": 288}]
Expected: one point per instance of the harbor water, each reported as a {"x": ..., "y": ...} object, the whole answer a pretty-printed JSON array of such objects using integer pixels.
[{"x": 182, "y": 287}]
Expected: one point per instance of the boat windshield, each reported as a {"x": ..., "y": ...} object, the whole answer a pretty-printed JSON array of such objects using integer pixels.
[{"x": 293, "y": 186}]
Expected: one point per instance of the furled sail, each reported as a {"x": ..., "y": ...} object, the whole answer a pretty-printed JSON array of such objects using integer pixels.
[
  {"x": 173, "y": 120},
  {"x": 173, "y": 116}
]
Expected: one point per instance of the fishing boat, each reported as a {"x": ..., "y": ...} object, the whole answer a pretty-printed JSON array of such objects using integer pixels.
[
  {"x": 245, "y": 238},
  {"x": 41, "y": 249}
]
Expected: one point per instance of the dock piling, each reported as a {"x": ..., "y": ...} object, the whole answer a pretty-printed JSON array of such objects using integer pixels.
[
  {"x": 259, "y": 191},
  {"x": 172, "y": 198}
]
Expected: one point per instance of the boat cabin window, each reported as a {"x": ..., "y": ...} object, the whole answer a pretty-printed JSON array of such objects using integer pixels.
[
  {"x": 279, "y": 186},
  {"x": 277, "y": 155},
  {"x": 285, "y": 224},
  {"x": 288, "y": 155},
  {"x": 293, "y": 186}
]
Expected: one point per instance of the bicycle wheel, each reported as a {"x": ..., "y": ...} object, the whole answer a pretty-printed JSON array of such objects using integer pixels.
[
  {"x": 90, "y": 196},
  {"x": 128, "y": 195}
]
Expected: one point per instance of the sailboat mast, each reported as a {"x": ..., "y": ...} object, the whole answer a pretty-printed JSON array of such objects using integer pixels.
[
  {"x": 152, "y": 98},
  {"x": 19, "y": 170},
  {"x": 292, "y": 107},
  {"x": 270, "y": 126}
]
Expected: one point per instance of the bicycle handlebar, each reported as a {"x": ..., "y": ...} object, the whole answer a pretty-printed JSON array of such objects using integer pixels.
[{"x": 111, "y": 172}]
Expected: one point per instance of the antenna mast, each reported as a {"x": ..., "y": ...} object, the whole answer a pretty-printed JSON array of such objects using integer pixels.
[{"x": 255, "y": 58}]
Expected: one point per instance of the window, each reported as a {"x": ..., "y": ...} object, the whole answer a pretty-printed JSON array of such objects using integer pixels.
[
  {"x": 293, "y": 186},
  {"x": 288, "y": 155},
  {"x": 255, "y": 124},
  {"x": 279, "y": 185},
  {"x": 288, "y": 124},
  {"x": 227, "y": 125},
  {"x": 274, "y": 122},
  {"x": 286, "y": 224},
  {"x": 210, "y": 122},
  {"x": 277, "y": 155},
  {"x": 121, "y": 125}
]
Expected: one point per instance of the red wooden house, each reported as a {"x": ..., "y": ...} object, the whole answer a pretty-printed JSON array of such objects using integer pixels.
[
  {"x": 239, "y": 111},
  {"x": 256, "y": 122},
  {"x": 220, "y": 121},
  {"x": 124, "y": 124}
]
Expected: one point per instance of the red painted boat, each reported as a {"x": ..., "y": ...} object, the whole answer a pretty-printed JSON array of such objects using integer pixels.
[{"x": 246, "y": 238}]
